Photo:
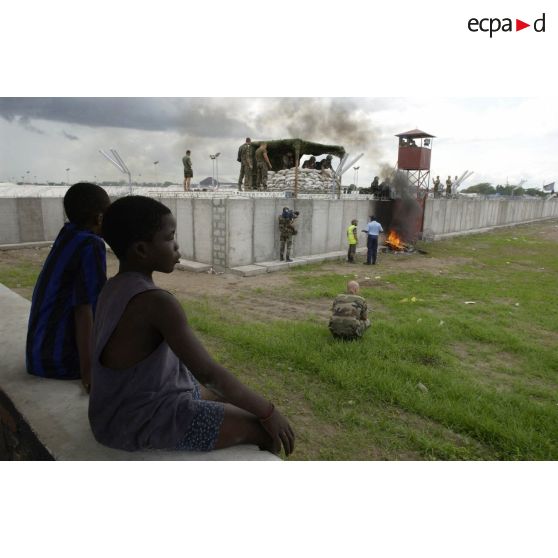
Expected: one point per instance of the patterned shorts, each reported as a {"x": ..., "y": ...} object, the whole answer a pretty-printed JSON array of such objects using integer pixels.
[{"x": 203, "y": 432}]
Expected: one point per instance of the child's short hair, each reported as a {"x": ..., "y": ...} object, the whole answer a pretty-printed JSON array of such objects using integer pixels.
[
  {"x": 83, "y": 201},
  {"x": 130, "y": 220}
]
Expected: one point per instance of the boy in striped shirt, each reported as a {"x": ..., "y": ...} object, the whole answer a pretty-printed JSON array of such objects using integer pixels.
[{"x": 59, "y": 334}]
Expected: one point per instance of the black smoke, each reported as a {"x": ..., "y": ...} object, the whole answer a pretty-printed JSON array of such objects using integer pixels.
[{"x": 322, "y": 120}]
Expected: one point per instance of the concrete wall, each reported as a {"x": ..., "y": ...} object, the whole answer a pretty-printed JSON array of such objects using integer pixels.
[
  {"x": 230, "y": 232},
  {"x": 443, "y": 218},
  {"x": 30, "y": 219}
]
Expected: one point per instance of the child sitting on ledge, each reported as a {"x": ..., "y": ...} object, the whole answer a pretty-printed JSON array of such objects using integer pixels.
[
  {"x": 148, "y": 364},
  {"x": 59, "y": 335}
]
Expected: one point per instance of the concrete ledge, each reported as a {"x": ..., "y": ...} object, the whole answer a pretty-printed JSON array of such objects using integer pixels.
[
  {"x": 53, "y": 413},
  {"x": 319, "y": 258},
  {"x": 298, "y": 261},
  {"x": 188, "y": 265},
  {"x": 21, "y": 245},
  {"x": 277, "y": 265},
  {"x": 249, "y": 270},
  {"x": 274, "y": 266}
]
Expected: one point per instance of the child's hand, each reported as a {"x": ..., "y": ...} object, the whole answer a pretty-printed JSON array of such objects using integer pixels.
[
  {"x": 278, "y": 427},
  {"x": 86, "y": 385}
]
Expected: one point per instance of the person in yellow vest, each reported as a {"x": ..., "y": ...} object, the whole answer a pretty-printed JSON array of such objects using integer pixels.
[{"x": 352, "y": 239}]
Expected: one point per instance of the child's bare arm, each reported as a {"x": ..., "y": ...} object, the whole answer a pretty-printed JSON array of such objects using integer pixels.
[
  {"x": 167, "y": 316},
  {"x": 83, "y": 316}
]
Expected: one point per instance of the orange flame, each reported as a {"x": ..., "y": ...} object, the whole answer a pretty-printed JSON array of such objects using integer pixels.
[{"x": 394, "y": 240}]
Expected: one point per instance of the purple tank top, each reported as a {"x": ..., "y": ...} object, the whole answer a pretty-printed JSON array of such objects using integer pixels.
[{"x": 146, "y": 406}]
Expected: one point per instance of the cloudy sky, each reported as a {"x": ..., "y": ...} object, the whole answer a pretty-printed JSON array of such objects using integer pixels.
[{"x": 498, "y": 138}]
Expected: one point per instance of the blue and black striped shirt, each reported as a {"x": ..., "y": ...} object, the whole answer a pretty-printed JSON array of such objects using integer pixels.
[{"x": 73, "y": 274}]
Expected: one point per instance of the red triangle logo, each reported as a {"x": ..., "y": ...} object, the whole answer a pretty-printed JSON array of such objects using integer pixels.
[{"x": 519, "y": 25}]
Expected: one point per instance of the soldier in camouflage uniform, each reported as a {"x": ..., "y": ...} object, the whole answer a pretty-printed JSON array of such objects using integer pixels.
[
  {"x": 245, "y": 160},
  {"x": 448, "y": 186},
  {"x": 262, "y": 166},
  {"x": 437, "y": 187},
  {"x": 188, "y": 172},
  {"x": 286, "y": 232},
  {"x": 349, "y": 319}
]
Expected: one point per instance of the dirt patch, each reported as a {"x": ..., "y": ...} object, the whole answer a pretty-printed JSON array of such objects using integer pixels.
[
  {"x": 549, "y": 232},
  {"x": 24, "y": 255}
]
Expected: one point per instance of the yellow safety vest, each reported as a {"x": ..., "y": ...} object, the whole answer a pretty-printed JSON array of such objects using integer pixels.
[{"x": 351, "y": 235}]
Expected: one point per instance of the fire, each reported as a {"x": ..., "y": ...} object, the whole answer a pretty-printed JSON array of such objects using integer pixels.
[{"x": 394, "y": 241}]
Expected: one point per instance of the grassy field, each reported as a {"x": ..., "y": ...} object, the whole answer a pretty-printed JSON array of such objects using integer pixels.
[
  {"x": 434, "y": 378},
  {"x": 490, "y": 368}
]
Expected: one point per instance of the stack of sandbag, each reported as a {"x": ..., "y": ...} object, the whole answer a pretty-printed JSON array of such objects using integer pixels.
[{"x": 309, "y": 181}]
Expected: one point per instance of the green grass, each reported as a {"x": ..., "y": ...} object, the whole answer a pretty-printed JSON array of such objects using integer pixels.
[
  {"x": 490, "y": 368},
  {"x": 23, "y": 275}
]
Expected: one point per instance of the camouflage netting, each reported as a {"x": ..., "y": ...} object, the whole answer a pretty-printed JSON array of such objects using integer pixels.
[
  {"x": 277, "y": 148},
  {"x": 309, "y": 180}
]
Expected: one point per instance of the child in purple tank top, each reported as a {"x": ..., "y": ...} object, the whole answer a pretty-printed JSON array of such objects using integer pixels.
[{"x": 153, "y": 383}]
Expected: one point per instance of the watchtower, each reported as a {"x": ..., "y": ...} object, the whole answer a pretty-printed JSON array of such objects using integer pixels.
[{"x": 415, "y": 150}]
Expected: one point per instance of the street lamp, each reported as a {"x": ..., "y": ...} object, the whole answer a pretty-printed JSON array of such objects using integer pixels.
[
  {"x": 356, "y": 175},
  {"x": 27, "y": 172},
  {"x": 214, "y": 158},
  {"x": 155, "y": 163},
  {"x": 68, "y": 176}
]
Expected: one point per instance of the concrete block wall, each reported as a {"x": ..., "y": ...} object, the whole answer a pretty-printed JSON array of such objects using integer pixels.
[
  {"x": 30, "y": 219},
  {"x": 444, "y": 217},
  {"x": 232, "y": 232},
  {"x": 9, "y": 221}
]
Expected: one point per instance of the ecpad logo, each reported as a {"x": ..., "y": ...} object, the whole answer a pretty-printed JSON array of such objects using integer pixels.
[{"x": 493, "y": 25}]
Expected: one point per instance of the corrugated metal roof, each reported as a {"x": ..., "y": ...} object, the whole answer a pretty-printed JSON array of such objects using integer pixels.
[{"x": 416, "y": 133}]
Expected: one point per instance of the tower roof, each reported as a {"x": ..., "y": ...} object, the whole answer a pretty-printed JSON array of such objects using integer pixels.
[{"x": 414, "y": 134}]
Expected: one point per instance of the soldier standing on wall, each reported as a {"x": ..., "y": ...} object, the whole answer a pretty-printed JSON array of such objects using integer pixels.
[
  {"x": 385, "y": 190},
  {"x": 245, "y": 160},
  {"x": 262, "y": 166},
  {"x": 448, "y": 187},
  {"x": 286, "y": 232},
  {"x": 436, "y": 183},
  {"x": 375, "y": 187},
  {"x": 188, "y": 172}
]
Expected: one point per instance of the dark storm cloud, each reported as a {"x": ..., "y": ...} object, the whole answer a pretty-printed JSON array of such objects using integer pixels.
[
  {"x": 197, "y": 117},
  {"x": 69, "y": 136},
  {"x": 25, "y": 122}
]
